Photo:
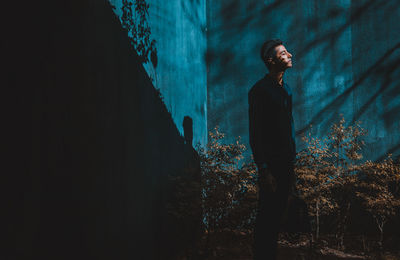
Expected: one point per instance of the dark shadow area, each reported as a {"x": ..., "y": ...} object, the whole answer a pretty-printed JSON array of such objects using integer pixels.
[{"x": 89, "y": 142}]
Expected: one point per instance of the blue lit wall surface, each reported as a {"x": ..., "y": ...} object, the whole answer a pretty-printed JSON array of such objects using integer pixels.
[
  {"x": 346, "y": 56},
  {"x": 178, "y": 26},
  {"x": 346, "y": 61}
]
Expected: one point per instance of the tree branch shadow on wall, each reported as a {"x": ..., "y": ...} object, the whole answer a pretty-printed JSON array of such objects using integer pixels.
[
  {"x": 384, "y": 72},
  {"x": 237, "y": 29}
]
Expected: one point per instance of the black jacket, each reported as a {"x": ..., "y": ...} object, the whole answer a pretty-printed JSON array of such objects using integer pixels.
[{"x": 272, "y": 136}]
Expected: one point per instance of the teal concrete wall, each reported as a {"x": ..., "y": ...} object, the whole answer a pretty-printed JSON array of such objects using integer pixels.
[
  {"x": 178, "y": 26},
  {"x": 345, "y": 55},
  {"x": 346, "y": 61}
]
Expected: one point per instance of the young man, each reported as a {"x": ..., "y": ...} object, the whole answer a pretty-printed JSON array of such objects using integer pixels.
[{"x": 272, "y": 141}]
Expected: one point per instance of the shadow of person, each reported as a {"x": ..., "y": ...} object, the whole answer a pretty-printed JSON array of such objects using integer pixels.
[
  {"x": 188, "y": 130},
  {"x": 192, "y": 224}
]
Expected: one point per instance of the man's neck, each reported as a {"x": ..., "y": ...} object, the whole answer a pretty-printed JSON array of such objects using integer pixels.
[{"x": 277, "y": 76}]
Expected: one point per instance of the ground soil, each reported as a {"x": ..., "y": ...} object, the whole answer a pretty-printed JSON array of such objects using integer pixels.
[{"x": 238, "y": 246}]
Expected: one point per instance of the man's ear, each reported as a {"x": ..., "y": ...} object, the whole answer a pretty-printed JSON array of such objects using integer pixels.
[{"x": 271, "y": 61}]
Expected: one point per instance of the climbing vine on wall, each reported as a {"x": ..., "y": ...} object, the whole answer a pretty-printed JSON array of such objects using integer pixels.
[{"x": 134, "y": 19}]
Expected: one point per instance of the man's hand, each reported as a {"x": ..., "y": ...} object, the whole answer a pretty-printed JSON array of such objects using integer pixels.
[{"x": 267, "y": 180}]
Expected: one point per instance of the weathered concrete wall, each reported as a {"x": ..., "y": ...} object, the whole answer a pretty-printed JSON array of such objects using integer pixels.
[
  {"x": 376, "y": 68},
  {"x": 178, "y": 26},
  {"x": 346, "y": 61}
]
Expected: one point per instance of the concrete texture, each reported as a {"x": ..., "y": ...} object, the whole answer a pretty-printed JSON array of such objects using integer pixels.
[
  {"x": 346, "y": 61},
  {"x": 179, "y": 28}
]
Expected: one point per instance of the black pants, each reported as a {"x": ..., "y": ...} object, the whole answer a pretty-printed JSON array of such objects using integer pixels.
[{"x": 271, "y": 206}]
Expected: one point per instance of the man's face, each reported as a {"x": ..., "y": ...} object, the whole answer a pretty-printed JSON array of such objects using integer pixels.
[{"x": 283, "y": 58}]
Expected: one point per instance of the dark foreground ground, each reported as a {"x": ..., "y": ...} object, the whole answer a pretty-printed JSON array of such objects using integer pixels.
[{"x": 237, "y": 246}]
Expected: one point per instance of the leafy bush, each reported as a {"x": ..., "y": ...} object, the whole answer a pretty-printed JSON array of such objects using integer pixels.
[
  {"x": 331, "y": 178},
  {"x": 377, "y": 193},
  {"x": 228, "y": 186},
  {"x": 314, "y": 181}
]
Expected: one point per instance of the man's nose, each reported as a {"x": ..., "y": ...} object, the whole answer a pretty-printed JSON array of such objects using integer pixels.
[{"x": 290, "y": 55}]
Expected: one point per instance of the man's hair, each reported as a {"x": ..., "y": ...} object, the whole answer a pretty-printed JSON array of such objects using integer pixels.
[{"x": 268, "y": 50}]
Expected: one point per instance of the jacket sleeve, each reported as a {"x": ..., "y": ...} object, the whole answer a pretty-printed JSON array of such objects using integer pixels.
[{"x": 260, "y": 115}]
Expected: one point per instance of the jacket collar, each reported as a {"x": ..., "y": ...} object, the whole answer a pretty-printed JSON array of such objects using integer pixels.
[{"x": 274, "y": 84}]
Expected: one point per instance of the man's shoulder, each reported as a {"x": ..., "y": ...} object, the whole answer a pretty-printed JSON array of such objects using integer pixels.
[{"x": 260, "y": 87}]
